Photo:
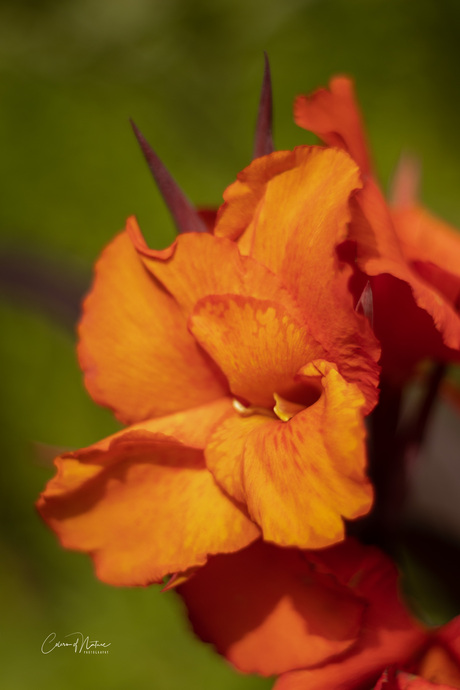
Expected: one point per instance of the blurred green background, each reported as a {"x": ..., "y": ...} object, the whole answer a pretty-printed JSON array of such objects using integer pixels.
[{"x": 188, "y": 72}]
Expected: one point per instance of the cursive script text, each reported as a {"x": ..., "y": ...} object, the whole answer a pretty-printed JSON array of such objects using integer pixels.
[{"x": 77, "y": 641}]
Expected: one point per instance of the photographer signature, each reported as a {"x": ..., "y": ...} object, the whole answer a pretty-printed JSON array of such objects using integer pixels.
[{"x": 77, "y": 641}]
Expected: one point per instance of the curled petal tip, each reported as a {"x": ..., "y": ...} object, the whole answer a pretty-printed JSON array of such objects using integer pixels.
[
  {"x": 263, "y": 142},
  {"x": 183, "y": 212}
]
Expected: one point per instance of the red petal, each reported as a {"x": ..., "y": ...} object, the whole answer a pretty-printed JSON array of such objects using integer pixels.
[
  {"x": 267, "y": 610},
  {"x": 388, "y": 636},
  {"x": 334, "y": 116}
]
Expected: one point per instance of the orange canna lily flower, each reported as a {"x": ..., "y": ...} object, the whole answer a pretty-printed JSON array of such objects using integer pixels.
[
  {"x": 317, "y": 619},
  {"x": 411, "y": 258},
  {"x": 244, "y": 372}
]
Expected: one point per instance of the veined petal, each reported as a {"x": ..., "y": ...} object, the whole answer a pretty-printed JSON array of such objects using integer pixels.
[
  {"x": 298, "y": 478},
  {"x": 142, "y": 502},
  {"x": 268, "y": 611},
  {"x": 311, "y": 226},
  {"x": 303, "y": 215},
  {"x": 292, "y": 250},
  {"x": 297, "y": 209},
  {"x": 295, "y": 202},
  {"x": 199, "y": 264},
  {"x": 258, "y": 345},
  {"x": 135, "y": 350},
  {"x": 196, "y": 264},
  {"x": 334, "y": 116}
]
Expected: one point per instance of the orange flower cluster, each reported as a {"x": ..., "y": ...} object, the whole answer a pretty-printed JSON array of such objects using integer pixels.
[
  {"x": 244, "y": 359},
  {"x": 245, "y": 372}
]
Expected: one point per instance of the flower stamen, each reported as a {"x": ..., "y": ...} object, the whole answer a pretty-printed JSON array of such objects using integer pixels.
[{"x": 250, "y": 409}]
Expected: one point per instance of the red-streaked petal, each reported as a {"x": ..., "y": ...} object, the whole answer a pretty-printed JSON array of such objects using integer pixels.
[
  {"x": 301, "y": 239},
  {"x": 293, "y": 246},
  {"x": 294, "y": 203},
  {"x": 267, "y": 610},
  {"x": 298, "y": 478},
  {"x": 142, "y": 502},
  {"x": 197, "y": 265},
  {"x": 135, "y": 350},
  {"x": 334, "y": 116},
  {"x": 296, "y": 210},
  {"x": 258, "y": 345}
]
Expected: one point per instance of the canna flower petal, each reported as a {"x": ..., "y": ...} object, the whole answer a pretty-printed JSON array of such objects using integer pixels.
[
  {"x": 388, "y": 635},
  {"x": 198, "y": 265},
  {"x": 298, "y": 478},
  {"x": 290, "y": 211},
  {"x": 271, "y": 610},
  {"x": 135, "y": 350},
  {"x": 432, "y": 247},
  {"x": 332, "y": 114},
  {"x": 385, "y": 251},
  {"x": 413, "y": 285},
  {"x": 268, "y": 610},
  {"x": 257, "y": 344},
  {"x": 142, "y": 502}
]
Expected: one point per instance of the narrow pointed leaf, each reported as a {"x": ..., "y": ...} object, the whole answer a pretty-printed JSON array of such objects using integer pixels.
[
  {"x": 263, "y": 142},
  {"x": 184, "y": 214}
]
